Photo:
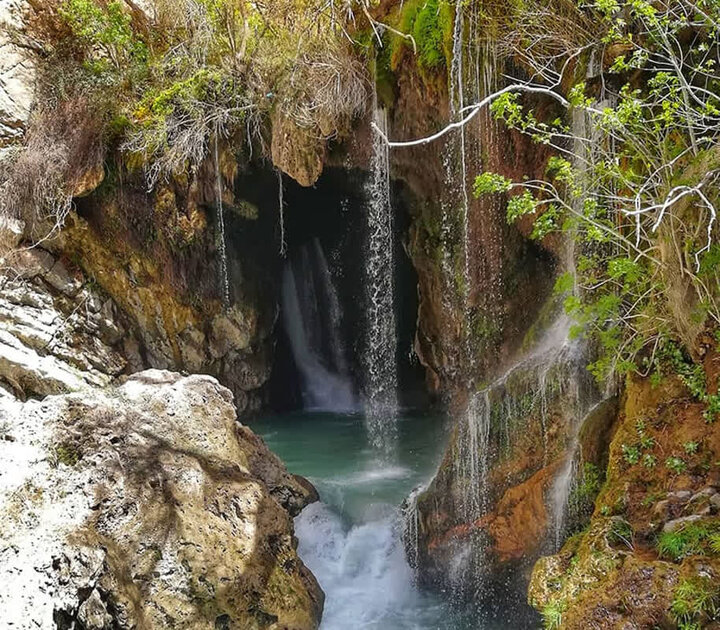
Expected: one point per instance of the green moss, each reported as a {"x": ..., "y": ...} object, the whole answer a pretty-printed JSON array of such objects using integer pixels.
[
  {"x": 66, "y": 454},
  {"x": 430, "y": 22},
  {"x": 583, "y": 496}
]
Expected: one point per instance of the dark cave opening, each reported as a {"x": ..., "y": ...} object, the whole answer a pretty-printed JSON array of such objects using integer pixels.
[{"x": 330, "y": 217}]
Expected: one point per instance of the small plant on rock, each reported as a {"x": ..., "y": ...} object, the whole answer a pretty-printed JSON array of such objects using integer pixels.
[
  {"x": 631, "y": 454},
  {"x": 649, "y": 460},
  {"x": 676, "y": 465},
  {"x": 553, "y": 613}
]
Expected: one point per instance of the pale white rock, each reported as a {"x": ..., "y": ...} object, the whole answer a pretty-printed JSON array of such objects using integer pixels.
[
  {"x": 62, "y": 280},
  {"x": 147, "y": 505},
  {"x": 51, "y": 341},
  {"x": 17, "y": 73}
]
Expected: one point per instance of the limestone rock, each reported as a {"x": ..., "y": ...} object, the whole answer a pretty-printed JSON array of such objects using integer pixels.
[
  {"x": 296, "y": 151},
  {"x": 11, "y": 233},
  {"x": 147, "y": 505},
  {"x": 17, "y": 74},
  {"x": 54, "y": 335},
  {"x": 230, "y": 330},
  {"x": 679, "y": 523},
  {"x": 88, "y": 180},
  {"x": 153, "y": 322}
]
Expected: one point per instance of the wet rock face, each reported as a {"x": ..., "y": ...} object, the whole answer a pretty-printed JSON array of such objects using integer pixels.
[
  {"x": 646, "y": 559},
  {"x": 147, "y": 506},
  {"x": 168, "y": 287},
  {"x": 506, "y": 277},
  {"x": 496, "y": 500}
]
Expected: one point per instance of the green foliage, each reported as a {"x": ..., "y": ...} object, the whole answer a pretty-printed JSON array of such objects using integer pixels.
[
  {"x": 609, "y": 195},
  {"x": 693, "y": 599},
  {"x": 487, "y": 183},
  {"x": 552, "y": 614},
  {"x": 521, "y": 205},
  {"x": 106, "y": 32},
  {"x": 693, "y": 539}
]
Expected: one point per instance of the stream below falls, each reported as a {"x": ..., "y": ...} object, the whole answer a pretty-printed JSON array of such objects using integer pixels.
[{"x": 351, "y": 540}]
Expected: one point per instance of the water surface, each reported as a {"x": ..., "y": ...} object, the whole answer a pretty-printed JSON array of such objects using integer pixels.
[{"x": 351, "y": 540}]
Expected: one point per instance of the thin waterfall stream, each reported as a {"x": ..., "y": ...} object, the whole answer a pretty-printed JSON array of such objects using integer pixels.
[
  {"x": 380, "y": 353},
  {"x": 222, "y": 245}
]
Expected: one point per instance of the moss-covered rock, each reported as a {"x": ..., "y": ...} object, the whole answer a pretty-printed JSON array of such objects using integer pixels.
[{"x": 647, "y": 558}]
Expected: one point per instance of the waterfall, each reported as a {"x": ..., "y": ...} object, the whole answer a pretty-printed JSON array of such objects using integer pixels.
[
  {"x": 474, "y": 451},
  {"x": 221, "y": 225},
  {"x": 380, "y": 335},
  {"x": 457, "y": 104},
  {"x": 585, "y": 137},
  {"x": 312, "y": 320},
  {"x": 281, "y": 214},
  {"x": 543, "y": 397}
]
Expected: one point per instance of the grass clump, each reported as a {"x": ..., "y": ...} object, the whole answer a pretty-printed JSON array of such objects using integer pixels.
[
  {"x": 694, "y": 539},
  {"x": 695, "y": 600}
]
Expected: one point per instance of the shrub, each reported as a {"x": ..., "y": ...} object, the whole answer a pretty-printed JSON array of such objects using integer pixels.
[{"x": 62, "y": 143}]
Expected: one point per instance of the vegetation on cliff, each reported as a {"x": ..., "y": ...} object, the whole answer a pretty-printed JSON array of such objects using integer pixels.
[
  {"x": 634, "y": 181},
  {"x": 165, "y": 83}
]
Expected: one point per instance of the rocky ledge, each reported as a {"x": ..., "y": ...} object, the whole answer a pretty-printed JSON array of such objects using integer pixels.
[{"x": 147, "y": 505}]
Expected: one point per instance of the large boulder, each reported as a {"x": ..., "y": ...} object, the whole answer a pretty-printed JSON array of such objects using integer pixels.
[{"x": 146, "y": 505}]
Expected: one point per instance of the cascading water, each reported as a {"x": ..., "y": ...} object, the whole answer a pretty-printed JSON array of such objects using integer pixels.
[
  {"x": 352, "y": 541},
  {"x": 541, "y": 398},
  {"x": 312, "y": 320},
  {"x": 584, "y": 138},
  {"x": 380, "y": 334}
]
